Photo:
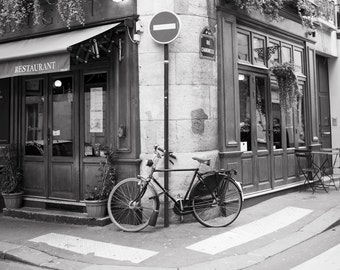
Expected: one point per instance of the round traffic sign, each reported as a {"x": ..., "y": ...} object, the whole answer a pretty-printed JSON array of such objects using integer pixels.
[{"x": 164, "y": 27}]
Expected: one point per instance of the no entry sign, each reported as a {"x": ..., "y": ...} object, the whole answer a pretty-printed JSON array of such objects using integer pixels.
[{"x": 164, "y": 27}]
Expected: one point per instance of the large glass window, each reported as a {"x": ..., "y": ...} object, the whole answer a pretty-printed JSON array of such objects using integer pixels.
[
  {"x": 273, "y": 53},
  {"x": 95, "y": 104},
  {"x": 245, "y": 113},
  {"x": 301, "y": 118},
  {"x": 286, "y": 54},
  {"x": 34, "y": 117},
  {"x": 298, "y": 61},
  {"x": 259, "y": 50},
  {"x": 62, "y": 127},
  {"x": 243, "y": 46},
  {"x": 261, "y": 113}
]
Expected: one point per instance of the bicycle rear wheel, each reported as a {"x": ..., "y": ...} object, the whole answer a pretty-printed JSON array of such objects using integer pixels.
[
  {"x": 221, "y": 210},
  {"x": 127, "y": 213}
]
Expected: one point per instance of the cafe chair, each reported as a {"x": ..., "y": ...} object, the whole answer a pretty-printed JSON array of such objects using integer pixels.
[{"x": 308, "y": 169}]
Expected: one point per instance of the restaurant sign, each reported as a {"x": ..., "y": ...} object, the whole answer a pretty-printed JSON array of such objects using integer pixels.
[{"x": 35, "y": 65}]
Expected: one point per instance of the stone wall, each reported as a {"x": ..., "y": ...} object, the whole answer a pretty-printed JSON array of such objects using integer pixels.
[{"x": 192, "y": 88}]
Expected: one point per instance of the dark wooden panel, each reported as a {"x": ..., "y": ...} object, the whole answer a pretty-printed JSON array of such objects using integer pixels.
[
  {"x": 62, "y": 184},
  {"x": 247, "y": 172},
  {"x": 5, "y": 85},
  {"x": 263, "y": 168},
  {"x": 34, "y": 180},
  {"x": 90, "y": 176},
  {"x": 278, "y": 167},
  {"x": 229, "y": 100},
  {"x": 291, "y": 165}
]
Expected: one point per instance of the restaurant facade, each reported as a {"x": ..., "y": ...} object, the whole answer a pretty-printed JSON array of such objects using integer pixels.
[{"x": 67, "y": 94}]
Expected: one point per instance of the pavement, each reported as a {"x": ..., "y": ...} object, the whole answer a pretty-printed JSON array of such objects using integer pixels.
[{"x": 261, "y": 231}]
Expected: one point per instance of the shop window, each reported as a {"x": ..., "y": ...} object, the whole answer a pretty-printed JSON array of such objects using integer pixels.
[
  {"x": 245, "y": 112},
  {"x": 298, "y": 60},
  {"x": 243, "y": 46},
  {"x": 62, "y": 127},
  {"x": 274, "y": 53},
  {"x": 301, "y": 118},
  {"x": 261, "y": 113},
  {"x": 259, "y": 50},
  {"x": 276, "y": 115},
  {"x": 286, "y": 54},
  {"x": 95, "y": 104},
  {"x": 34, "y": 117}
]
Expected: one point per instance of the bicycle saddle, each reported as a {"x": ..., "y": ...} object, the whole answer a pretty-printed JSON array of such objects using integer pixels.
[{"x": 201, "y": 160}]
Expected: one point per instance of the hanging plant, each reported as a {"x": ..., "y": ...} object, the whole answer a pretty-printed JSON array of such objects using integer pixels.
[
  {"x": 19, "y": 12},
  {"x": 71, "y": 10},
  {"x": 268, "y": 7},
  {"x": 288, "y": 85}
]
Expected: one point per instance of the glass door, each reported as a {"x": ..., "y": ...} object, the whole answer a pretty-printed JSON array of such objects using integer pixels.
[
  {"x": 61, "y": 134},
  {"x": 255, "y": 136},
  {"x": 51, "y": 164}
]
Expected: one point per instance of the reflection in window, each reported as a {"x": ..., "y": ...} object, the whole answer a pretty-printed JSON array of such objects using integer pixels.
[
  {"x": 34, "y": 117},
  {"x": 274, "y": 53},
  {"x": 298, "y": 61},
  {"x": 276, "y": 115},
  {"x": 286, "y": 55},
  {"x": 62, "y": 128},
  {"x": 245, "y": 116},
  {"x": 261, "y": 114},
  {"x": 301, "y": 118},
  {"x": 259, "y": 50},
  {"x": 95, "y": 104},
  {"x": 243, "y": 46}
]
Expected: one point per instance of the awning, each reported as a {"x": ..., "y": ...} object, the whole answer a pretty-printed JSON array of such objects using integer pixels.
[{"x": 43, "y": 55}]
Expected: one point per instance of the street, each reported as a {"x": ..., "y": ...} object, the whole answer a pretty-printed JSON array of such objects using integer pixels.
[{"x": 289, "y": 228}]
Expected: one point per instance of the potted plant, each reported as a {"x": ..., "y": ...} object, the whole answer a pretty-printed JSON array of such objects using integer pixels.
[
  {"x": 97, "y": 195},
  {"x": 11, "y": 177}
]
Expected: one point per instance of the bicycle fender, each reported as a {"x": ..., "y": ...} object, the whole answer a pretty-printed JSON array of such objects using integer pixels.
[
  {"x": 238, "y": 184},
  {"x": 154, "y": 216}
]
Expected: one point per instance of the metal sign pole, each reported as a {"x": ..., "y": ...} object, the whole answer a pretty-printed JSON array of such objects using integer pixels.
[{"x": 166, "y": 132}]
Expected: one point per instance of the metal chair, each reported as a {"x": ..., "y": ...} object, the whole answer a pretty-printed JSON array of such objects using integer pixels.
[{"x": 311, "y": 172}]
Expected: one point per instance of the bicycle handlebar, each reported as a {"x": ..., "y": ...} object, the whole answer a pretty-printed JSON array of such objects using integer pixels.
[{"x": 158, "y": 148}]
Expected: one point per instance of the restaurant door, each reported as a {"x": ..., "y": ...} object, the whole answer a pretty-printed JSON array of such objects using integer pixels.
[
  {"x": 262, "y": 141},
  {"x": 50, "y": 132}
]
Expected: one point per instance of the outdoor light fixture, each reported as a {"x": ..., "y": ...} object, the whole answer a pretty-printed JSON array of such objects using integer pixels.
[
  {"x": 57, "y": 83},
  {"x": 241, "y": 77}
]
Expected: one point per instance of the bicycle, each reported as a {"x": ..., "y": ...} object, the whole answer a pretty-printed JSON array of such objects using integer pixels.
[{"x": 215, "y": 198}]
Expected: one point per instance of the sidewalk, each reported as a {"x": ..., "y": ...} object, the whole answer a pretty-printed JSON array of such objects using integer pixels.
[{"x": 170, "y": 247}]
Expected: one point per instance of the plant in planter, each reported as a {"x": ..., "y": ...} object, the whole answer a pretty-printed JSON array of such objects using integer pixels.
[
  {"x": 97, "y": 195},
  {"x": 269, "y": 7},
  {"x": 11, "y": 177},
  {"x": 288, "y": 85}
]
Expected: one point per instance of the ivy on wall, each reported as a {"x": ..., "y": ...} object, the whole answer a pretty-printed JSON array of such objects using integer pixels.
[
  {"x": 18, "y": 12},
  {"x": 308, "y": 10}
]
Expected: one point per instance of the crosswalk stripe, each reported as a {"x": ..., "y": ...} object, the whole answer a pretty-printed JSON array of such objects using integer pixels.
[
  {"x": 328, "y": 260},
  {"x": 250, "y": 231},
  {"x": 100, "y": 249}
]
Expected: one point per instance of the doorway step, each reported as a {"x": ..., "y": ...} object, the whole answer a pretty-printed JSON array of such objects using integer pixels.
[{"x": 55, "y": 216}]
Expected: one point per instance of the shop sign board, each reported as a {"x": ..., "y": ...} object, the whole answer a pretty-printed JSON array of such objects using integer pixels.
[
  {"x": 164, "y": 27},
  {"x": 207, "y": 44}
]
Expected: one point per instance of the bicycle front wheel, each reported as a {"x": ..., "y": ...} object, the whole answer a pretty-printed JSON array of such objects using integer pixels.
[
  {"x": 219, "y": 210},
  {"x": 128, "y": 209}
]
